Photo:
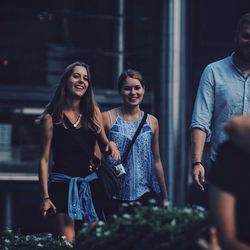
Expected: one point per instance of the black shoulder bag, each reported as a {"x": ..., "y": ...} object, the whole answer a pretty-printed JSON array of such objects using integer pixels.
[{"x": 107, "y": 174}]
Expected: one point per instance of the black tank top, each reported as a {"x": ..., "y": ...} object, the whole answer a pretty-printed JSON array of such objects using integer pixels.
[{"x": 68, "y": 156}]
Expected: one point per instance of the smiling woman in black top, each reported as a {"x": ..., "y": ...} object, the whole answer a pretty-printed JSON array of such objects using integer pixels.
[{"x": 73, "y": 100}]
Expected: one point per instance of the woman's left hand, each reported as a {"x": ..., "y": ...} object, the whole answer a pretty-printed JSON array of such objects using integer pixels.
[{"x": 114, "y": 151}]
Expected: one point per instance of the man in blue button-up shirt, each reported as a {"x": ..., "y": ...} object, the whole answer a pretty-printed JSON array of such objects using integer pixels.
[{"x": 224, "y": 91}]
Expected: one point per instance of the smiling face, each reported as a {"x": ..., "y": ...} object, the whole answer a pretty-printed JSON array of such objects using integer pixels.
[
  {"x": 78, "y": 81},
  {"x": 132, "y": 92}
]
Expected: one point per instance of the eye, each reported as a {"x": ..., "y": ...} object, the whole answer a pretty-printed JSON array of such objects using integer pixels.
[
  {"x": 76, "y": 76},
  {"x": 86, "y": 78},
  {"x": 138, "y": 87},
  {"x": 127, "y": 88}
]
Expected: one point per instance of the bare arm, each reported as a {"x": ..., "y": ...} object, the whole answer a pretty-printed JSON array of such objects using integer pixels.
[
  {"x": 46, "y": 137},
  {"x": 106, "y": 121},
  {"x": 198, "y": 142},
  {"x": 103, "y": 142},
  {"x": 223, "y": 215},
  {"x": 157, "y": 161}
]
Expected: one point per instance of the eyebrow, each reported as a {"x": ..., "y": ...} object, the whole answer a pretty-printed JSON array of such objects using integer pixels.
[
  {"x": 127, "y": 86},
  {"x": 85, "y": 75}
]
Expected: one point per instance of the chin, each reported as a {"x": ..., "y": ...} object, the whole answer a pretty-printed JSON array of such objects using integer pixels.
[
  {"x": 77, "y": 96},
  {"x": 244, "y": 56},
  {"x": 133, "y": 105}
]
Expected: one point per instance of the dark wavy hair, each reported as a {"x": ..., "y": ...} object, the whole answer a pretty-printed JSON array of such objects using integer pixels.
[
  {"x": 129, "y": 73},
  {"x": 87, "y": 104}
]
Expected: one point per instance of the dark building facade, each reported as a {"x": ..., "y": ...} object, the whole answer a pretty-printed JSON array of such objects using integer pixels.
[{"x": 39, "y": 38}]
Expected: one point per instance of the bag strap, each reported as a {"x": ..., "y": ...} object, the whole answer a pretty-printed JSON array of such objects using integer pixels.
[{"x": 137, "y": 132}]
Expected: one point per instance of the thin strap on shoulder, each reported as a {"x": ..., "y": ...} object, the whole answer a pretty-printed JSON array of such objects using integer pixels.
[
  {"x": 110, "y": 118},
  {"x": 149, "y": 120}
]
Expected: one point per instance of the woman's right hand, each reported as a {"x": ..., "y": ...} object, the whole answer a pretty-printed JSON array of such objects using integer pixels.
[
  {"x": 113, "y": 149},
  {"x": 46, "y": 206}
]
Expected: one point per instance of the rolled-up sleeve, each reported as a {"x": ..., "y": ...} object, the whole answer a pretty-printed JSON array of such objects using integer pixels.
[{"x": 204, "y": 103}]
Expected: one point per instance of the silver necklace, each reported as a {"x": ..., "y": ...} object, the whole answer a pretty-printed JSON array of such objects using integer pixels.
[{"x": 77, "y": 121}]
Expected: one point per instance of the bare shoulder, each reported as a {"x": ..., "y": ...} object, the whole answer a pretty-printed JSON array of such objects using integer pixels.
[
  {"x": 106, "y": 117},
  {"x": 97, "y": 110},
  {"x": 47, "y": 126},
  {"x": 154, "y": 121},
  {"x": 47, "y": 121}
]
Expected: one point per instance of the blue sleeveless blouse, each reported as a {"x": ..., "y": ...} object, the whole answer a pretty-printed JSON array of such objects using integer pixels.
[{"x": 140, "y": 175}]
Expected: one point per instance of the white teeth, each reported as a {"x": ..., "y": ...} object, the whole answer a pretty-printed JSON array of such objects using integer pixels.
[{"x": 79, "y": 86}]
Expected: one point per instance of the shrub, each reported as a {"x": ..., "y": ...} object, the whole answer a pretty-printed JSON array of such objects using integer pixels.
[
  {"x": 136, "y": 228},
  {"x": 147, "y": 228},
  {"x": 15, "y": 241}
]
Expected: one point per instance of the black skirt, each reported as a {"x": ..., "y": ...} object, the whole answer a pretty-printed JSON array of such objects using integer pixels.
[{"x": 58, "y": 193}]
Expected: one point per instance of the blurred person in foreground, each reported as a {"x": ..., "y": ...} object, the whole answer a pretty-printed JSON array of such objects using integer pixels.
[{"x": 229, "y": 195}]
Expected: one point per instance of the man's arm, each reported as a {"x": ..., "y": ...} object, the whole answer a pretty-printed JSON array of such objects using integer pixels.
[
  {"x": 198, "y": 142},
  {"x": 201, "y": 122}
]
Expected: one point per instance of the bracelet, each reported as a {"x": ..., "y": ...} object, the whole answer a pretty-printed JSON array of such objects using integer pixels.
[
  {"x": 197, "y": 163},
  {"x": 46, "y": 198}
]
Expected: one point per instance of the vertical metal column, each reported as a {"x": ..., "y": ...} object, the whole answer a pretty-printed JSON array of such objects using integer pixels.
[
  {"x": 176, "y": 96},
  {"x": 121, "y": 37},
  {"x": 176, "y": 99},
  {"x": 8, "y": 207}
]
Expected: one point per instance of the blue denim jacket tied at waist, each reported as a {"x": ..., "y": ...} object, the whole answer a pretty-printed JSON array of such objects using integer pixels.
[{"x": 80, "y": 204}]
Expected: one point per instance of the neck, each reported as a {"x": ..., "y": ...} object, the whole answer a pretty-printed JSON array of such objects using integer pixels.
[
  {"x": 240, "y": 63},
  {"x": 73, "y": 105},
  {"x": 130, "y": 113}
]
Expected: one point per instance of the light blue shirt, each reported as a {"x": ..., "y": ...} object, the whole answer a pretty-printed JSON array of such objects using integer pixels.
[
  {"x": 80, "y": 204},
  {"x": 140, "y": 176},
  {"x": 223, "y": 92}
]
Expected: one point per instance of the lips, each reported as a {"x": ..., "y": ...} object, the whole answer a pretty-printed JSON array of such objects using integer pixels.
[
  {"x": 133, "y": 98},
  {"x": 79, "y": 86}
]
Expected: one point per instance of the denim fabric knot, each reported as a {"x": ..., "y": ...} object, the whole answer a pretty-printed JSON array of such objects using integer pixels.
[{"x": 80, "y": 204}]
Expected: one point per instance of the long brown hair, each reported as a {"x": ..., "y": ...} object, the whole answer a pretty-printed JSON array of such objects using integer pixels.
[{"x": 88, "y": 105}]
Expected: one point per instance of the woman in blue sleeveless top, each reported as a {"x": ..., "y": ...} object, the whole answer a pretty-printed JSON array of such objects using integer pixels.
[
  {"x": 144, "y": 171},
  {"x": 74, "y": 191}
]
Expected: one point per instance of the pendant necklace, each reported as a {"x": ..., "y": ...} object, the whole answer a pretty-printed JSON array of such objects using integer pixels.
[{"x": 77, "y": 121}]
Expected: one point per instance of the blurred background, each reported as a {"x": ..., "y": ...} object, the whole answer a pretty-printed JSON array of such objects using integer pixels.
[{"x": 168, "y": 41}]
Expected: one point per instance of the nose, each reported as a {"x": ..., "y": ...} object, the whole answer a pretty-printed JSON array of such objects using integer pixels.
[
  {"x": 132, "y": 90},
  {"x": 81, "y": 79}
]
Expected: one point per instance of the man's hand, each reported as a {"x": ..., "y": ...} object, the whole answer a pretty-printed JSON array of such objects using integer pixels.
[{"x": 199, "y": 176}]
